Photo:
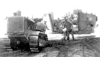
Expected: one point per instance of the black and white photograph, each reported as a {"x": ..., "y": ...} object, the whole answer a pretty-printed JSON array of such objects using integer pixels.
[{"x": 49, "y": 28}]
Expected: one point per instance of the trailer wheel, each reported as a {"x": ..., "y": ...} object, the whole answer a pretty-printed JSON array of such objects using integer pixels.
[{"x": 13, "y": 43}]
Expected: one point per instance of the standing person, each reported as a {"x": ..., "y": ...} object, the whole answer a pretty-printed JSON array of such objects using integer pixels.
[
  {"x": 68, "y": 26},
  {"x": 45, "y": 22}
]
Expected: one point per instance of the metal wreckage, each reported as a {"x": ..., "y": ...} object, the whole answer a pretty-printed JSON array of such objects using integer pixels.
[{"x": 28, "y": 35}]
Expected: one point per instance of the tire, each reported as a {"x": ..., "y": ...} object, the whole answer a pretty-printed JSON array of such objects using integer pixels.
[{"x": 13, "y": 43}]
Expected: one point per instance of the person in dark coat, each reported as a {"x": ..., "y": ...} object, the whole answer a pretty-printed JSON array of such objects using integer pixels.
[{"x": 68, "y": 26}]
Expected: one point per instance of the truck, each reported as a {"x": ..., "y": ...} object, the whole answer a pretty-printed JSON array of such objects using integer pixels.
[{"x": 22, "y": 33}]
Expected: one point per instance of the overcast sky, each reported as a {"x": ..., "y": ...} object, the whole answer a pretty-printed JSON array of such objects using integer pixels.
[{"x": 39, "y": 7}]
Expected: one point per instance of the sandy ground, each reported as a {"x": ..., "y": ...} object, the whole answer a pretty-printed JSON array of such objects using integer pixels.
[
  {"x": 75, "y": 49},
  {"x": 53, "y": 36},
  {"x": 87, "y": 47}
]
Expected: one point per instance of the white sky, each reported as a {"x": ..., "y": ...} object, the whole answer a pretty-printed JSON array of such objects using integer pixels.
[{"x": 39, "y": 7}]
